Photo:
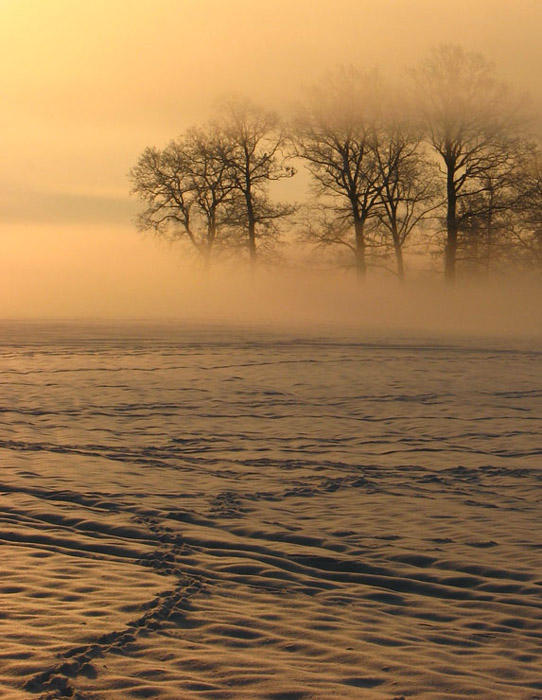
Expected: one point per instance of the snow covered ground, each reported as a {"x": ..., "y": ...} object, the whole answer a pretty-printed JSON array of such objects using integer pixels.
[{"x": 209, "y": 513}]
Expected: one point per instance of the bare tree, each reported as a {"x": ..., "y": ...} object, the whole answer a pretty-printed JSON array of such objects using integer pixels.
[
  {"x": 254, "y": 151},
  {"x": 324, "y": 229},
  {"x": 186, "y": 189},
  {"x": 527, "y": 232},
  {"x": 409, "y": 189},
  {"x": 469, "y": 119},
  {"x": 334, "y": 133},
  {"x": 489, "y": 217}
]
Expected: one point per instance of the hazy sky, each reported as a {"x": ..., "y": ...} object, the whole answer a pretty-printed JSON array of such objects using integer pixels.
[{"x": 87, "y": 85}]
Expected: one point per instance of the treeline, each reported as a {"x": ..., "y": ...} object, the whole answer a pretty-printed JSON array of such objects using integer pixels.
[{"x": 444, "y": 163}]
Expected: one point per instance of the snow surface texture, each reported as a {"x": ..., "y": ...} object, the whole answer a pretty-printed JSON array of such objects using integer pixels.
[{"x": 213, "y": 514}]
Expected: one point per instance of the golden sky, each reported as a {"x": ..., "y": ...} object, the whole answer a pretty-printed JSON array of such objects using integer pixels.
[{"x": 86, "y": 85}]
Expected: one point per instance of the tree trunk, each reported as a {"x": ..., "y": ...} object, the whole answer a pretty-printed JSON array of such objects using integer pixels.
[
  {"x": 489, "y": 224},
  {"x": 252, "y": 243},
  {"x": 361, "y": 265},
  {"x": 208, "y": 252},
  {"x": 450, "y": 255},
  {"x": 400, "y": 262},
  {"x": 251, "y": 227}
]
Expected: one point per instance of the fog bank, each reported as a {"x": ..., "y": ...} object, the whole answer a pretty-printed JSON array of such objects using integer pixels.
[{"x": 303, "y": 300}]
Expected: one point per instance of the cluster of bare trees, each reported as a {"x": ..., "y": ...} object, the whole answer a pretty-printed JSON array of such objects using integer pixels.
[
  {"x": 446, "y": 162},
  {"x": 210, "y": 186}
]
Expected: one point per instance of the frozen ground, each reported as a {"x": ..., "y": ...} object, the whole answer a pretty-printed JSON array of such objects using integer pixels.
[{"x": 200, "y": 513}]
